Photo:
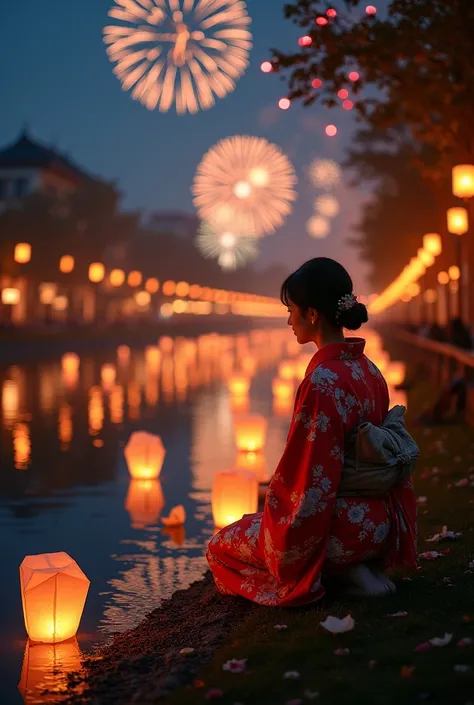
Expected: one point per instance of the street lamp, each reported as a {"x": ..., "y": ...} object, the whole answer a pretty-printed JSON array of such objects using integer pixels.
[
  {"x": 463, "y": 180},
  {"x": 432, "y": 243},
  {"x": 22, "y": 253},
  {"x": 458, "y": 224},
  {"x": 66, "y": 264}
]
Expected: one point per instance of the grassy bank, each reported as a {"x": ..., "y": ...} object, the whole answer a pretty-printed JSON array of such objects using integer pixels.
[{"x": 382, "y": 665}]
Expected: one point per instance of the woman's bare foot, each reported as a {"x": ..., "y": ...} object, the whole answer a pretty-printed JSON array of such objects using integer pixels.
[{"x": 379, "y": 573}]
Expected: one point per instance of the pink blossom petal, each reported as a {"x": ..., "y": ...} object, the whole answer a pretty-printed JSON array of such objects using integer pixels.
[
  {"x": 280, "y": 627},
  {"x": 214, "y": 694},
  {"x": 342, "y": 652},
  {"x": 398, "y": 614},
  {"x": 291, "y": 675},
  {"x": 235, "y": 665},
  {"x": 424, "y": 646}
]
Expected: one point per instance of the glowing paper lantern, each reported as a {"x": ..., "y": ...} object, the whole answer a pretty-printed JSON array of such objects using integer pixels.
[
  {"x": 425, "y": 257},
  {"x": 53, "y": 593},
  {"x": 182, "y": 289},
  {"x": 233, "y": 495},
  {"x": 96, "y": 272},
  {"x": 179, "y": 52},
  {"x": 177, "y": 516},
  {"x": 250, "y": 432},
  {"x": 239, "y": 386},
  {"x": 117, "y": 277},
  {"x": 443, "y": 278},
  {"x": 46, "y": 667},
  {"x": 169, "y": 288},
  {"x": 458, "y": 221},
  {"x": 152, "y": 285},
  {"x": 454, "y": 273},
  {"x": 10, "y": 296},
  {"x": 47, "y": 292},
  {"x": 145, "y": 455},
  {"x": 395, "y": 373},
  {"x": 22, "y": 253},
  {"x": 144, "y": 502},
  {"x": 134, "y": 278},
  {"x": 282, "y": 388},
  {"x": 463, "y": 180},
  {"x": 60, "y": 303},
  {"x": 70, "y": 362},
  {"x": 234, "y": 160},
  {"x": 432, "y": 243},
  {"x": 142, "y": 298},
  {"x": 66, "y": 264}
]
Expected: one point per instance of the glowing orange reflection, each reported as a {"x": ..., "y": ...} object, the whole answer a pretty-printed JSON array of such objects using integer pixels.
[
  {"x": 45, "y": 669},
  {"x": 95, "y": 410},
  {"x": 144, "y": 502},
  {"x": 21, "y": 446}
]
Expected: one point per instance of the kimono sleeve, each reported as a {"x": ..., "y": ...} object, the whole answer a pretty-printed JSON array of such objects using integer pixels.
[{"x": 301, "y": 497}]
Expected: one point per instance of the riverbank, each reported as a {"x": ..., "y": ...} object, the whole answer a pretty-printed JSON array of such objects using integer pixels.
[{"x": 384, "y": 661}]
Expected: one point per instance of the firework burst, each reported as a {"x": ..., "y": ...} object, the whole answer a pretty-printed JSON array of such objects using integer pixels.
[
  {"x": 246, "y": 185},
  {"x": 327, "y": 205},
  {"x": 324, "y": 173},
  {"x": 182, "y": 51},
  {"x": 231, "y": 251}
]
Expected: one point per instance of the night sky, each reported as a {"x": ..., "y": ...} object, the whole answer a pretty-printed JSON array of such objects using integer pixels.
[{"x": 55, "y": 77}]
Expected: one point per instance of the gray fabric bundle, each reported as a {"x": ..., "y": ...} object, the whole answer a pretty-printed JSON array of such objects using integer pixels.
[{"x": 377, "y": 458}]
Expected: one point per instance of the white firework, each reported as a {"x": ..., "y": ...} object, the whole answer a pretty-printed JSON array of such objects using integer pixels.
[
  {"x": 187, "y": 51},
  {"x": 230, "y": 250},
  {"x": 324, "y": 173},
  {"x": 327, "y": 206},
  {"x": 245, "y": 185},
  {"x": 318, "y": 227}
]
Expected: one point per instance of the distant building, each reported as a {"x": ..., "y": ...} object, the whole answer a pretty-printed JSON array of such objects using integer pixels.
[
  {"x": 184, "y": 225},
  {"x": 26, "y": 166}
]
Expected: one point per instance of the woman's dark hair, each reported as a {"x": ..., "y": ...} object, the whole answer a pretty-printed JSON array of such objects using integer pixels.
[{"x": 320, "y": 283}]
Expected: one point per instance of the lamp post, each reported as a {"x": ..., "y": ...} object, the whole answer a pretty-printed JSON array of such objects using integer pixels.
[
  {"x": 444, "y": 296},
  {"x": 463, "y": 187},
  {"x": 458, "y": 224}
]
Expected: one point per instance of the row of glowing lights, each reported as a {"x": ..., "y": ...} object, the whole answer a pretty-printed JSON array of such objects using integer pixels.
[
  {"x": 239, "y": 302},
  {"x": 406, "y": 286},
  {"x": 353, "y": 76}
]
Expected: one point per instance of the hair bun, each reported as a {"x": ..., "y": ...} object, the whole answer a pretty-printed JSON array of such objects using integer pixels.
[{"x": 353, "y": 318}]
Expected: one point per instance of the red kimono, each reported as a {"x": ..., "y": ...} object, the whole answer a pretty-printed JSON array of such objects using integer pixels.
[{"x": 277, "y": 557}]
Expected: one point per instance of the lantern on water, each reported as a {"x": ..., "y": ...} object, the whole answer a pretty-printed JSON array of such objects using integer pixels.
[
  {"x": 134, "y": 278},
  {"x": 458, "y": 221},
  {"x": 239, "y": 385},
  {"x": 282, "y": 388},
  {"x": 152, "y": 285},
  {"x": 70, "y": 362},
  {"x": 96, "y": 272},
  {"x": 66, "y": 264},
  {"x": 10, "y": 296},
  {"x": 234, "y": 494},
  {"x": 144, "y": 503},
  {"x": 22, "y": 253},
  {"x": 432, "y": 243},
  {"x": 240, "y": 405},
  {"x": 117, "y": 277},
  {"x": 395, "y": 373},
  {"x": 53, "y": 594},
  {"x": 46, "y": 667},
  {"x": 463, "y": 180},
  {"x": 145, "y": 455},
  {"x": 142, "y": 298},
  {"x": 250, "y": 432}
]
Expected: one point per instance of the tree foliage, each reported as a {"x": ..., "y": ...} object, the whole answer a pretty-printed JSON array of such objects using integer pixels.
[{"x": 418, "y": 59}]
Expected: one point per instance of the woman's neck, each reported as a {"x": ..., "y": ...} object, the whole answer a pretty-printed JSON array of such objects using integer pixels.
[{"x": 328, "y": 337}]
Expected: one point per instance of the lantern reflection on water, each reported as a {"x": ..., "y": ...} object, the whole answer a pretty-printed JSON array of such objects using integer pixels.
[
  {"x": 233, "y": 495},
  {"x": 108, "y": 375},
  {"x": 239, "y": 385},
  {"x": 253, "y": 462},
  {"x": 250, "y": 432},
  {"x": 144, "y": 503},
  {"x": 282, "y": 388},
  {"x": 53, "y": 594},
  {"x": 145, "y": 455},
  {"x": 123, "y": 354},
  {"x": 286, "y": 370},
  {"x": 45, "y": 668},
  {"x": 177, "y": 534},
  {"x": 283, "y": 406}
]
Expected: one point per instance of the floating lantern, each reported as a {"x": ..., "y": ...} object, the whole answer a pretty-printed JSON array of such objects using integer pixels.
[
  {"x": 463, "y": 180},
  {"x": 395, "y": 373},
  {"x": 46, "y": 667},
  {"x": 454, "y": 272},
  {"x": 117, "y": 277},
  {"x": 123, "y": 354},
  {"x": 443, "y": 278},
  {"x": 22, "y": 253},
  {"x": 432, "y": 243},
  {"x": 233, "y": 495},
  {"x": 169, "y": 288},
  {"x": 458, "y": 221},
  {"x": 60, "y": 303},
  {"x": 282, "y": 388},
  {"x": 142, "y": 298},
  {"x": 134, "y": 278},
  {"x": 70, "y": 362},
  {"x": 250, "y": 432},
  {"x": 144, "y": 503},
  {"x": 66, "y": 264},
  {"x": 53, "y": 593},
  {"x": 177, "y": 516},
  {"x": 253, "y": 462},
  {"x": 47, "y": 292},
  {"x": 239, "y": 385},
  {"x": 108, "y": 374},
  {"x": 96, "y": 272},
  {"x": 152, "y": 285},
  {"x": 240, "y": 405},
  {"x": 145, "y": 455},
  {"x": 10, "y": 296}
]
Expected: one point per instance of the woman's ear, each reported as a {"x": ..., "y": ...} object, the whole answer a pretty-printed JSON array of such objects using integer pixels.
[{"x": 313, "y": 315}]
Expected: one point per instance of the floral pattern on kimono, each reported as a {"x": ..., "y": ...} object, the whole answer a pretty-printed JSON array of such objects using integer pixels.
[{"x": 279, "y": 557}]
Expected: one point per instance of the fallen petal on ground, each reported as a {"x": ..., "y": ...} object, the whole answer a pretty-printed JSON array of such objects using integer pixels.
[{"x": 338, "y": 626}]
